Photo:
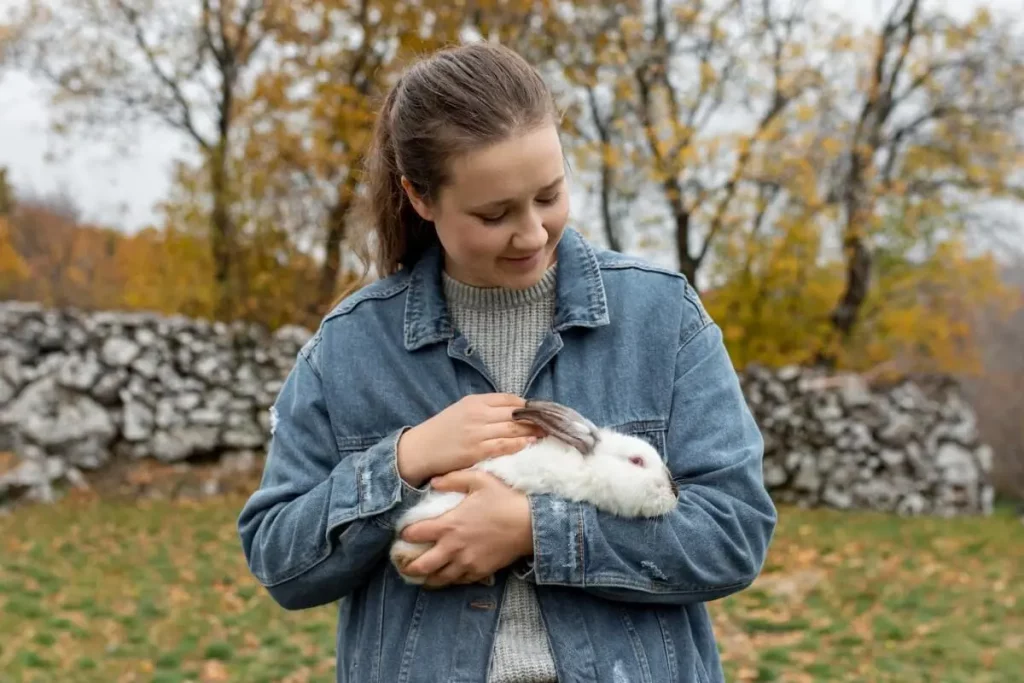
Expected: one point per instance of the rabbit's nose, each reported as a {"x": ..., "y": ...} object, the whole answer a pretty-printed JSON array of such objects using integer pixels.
[{"x": 674, "y": 486}]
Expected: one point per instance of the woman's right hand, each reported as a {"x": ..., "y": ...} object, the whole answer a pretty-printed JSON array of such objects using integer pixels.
[{"x": 474, "y": 428}]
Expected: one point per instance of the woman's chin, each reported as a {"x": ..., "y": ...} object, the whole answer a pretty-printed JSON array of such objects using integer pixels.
[{"x": 522, "y": 273}]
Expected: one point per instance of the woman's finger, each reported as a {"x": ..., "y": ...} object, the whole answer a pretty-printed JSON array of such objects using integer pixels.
[
  {"x": 495, "y": 447},
  {"x": 429, "y": 562},
  {"x": 451, "y": 574},
  {"x": 510, "y": 429},
  {"x": 503, "y": 400}
]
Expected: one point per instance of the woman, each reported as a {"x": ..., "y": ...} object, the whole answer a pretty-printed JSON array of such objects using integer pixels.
[{"x": 488, "y": 297}]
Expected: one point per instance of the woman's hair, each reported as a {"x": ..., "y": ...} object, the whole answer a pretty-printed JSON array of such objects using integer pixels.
[{"x": 451, "y": 102}]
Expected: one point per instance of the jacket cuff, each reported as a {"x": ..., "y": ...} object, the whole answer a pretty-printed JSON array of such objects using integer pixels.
[
  {"x": 557, "y": 541},
  {"x": 379, "y": 487}
]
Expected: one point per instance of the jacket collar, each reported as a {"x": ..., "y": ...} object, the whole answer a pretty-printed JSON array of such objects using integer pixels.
[{"x": 579, "y": 293}]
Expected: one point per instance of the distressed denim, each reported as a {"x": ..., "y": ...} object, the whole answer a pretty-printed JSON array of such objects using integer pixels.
[{"x": 631, "y": 346}]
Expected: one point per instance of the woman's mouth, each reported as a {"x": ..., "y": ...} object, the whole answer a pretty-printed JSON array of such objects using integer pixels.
[{"x": 528, "y": 262}]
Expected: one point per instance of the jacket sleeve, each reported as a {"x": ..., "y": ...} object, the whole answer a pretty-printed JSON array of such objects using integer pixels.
[
  {"x": 320, "y": 521},
  {"x": 715, "y": 542}
]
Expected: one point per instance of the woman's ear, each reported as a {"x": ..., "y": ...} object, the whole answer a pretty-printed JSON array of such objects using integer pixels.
[{"x": 421, "y": 206}]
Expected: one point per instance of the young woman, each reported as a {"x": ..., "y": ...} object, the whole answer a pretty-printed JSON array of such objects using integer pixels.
[{"x": 487, "y": 297}]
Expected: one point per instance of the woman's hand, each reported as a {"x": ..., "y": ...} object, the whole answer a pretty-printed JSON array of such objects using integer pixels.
[
  {"x": 475, "y": 428},
  {"x": 489, "y": 530}
]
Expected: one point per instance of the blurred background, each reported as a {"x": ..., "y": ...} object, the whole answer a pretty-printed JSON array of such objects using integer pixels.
[{"x": 842, "y": 181}]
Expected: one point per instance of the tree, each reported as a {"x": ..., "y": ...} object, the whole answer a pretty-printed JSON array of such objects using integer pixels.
[
  {"x": 314, "y": 109},
  {"x": 934, "y": 129},
  {"x": 656, "y": 84},
  {"x": 182, "y": 64}
]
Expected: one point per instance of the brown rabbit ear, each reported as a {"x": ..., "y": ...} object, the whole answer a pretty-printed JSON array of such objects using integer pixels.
[{"x": 561, "y": 422}]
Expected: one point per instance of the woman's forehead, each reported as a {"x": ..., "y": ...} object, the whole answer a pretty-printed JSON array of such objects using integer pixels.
[{"x": 510, "y": 169}]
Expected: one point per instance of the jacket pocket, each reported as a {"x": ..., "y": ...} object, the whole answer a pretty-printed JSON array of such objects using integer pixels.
[{"x": 652, "y": 431}]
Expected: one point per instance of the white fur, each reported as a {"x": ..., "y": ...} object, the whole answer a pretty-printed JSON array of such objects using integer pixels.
[{"x": 606, "y": 478}]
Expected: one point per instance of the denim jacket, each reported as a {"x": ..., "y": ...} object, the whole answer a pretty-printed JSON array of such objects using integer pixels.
[{"x": 630, "y": 346}]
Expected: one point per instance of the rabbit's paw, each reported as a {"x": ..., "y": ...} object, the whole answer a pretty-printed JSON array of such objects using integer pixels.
[{"x": 403, "y": 553}]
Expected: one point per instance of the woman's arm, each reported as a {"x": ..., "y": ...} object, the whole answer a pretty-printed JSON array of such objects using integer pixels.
[
  {"x": 715, "y": 542},
  {"x": 317, "y": 526}
]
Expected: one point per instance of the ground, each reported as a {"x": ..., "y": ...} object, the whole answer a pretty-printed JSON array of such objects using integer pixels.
[{"x": 158, "y": 591}]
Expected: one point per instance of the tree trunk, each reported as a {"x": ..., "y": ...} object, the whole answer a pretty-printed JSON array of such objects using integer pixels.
[
  {"x": 858, "y": 276},
  {"x": 610, "y": 233},
  {"x": 687, "y": 264},
  {"x": 336, "y": 229},
  {"x": 221, "y": 239}
]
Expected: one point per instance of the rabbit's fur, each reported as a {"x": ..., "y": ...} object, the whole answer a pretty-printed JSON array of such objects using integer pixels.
[{"x": 617, "y": 473}]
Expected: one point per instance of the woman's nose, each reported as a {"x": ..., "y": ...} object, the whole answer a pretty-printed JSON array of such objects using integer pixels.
[{"x": 532, "y": 235}]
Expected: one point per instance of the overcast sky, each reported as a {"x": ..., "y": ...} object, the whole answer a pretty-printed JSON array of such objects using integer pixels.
[{"x": 118, "y": 188}]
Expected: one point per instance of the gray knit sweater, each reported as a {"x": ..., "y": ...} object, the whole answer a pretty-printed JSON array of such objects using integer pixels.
[{"x": 505, "y": 327}]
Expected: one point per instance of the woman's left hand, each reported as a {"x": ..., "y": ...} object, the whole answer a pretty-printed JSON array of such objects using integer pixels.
[{"x": 489, "y": 530}]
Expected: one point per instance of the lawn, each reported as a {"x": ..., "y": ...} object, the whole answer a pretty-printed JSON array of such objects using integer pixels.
[{"x": 110, "y": 592}]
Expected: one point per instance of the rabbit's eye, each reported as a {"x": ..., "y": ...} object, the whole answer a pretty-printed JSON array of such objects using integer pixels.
[{"x": 637, "y": 460}]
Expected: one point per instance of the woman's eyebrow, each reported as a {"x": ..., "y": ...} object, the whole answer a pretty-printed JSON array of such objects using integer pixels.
[{"x": 499, "y": 203}]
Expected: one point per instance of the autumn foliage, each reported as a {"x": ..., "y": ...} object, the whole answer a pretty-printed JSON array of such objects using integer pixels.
[{"x": 823, "y": 183}]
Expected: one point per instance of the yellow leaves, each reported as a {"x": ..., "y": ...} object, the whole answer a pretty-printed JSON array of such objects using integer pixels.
[
  {"x": 708, "y": 76},
  {"x": 805, "y": 113},
  {"x": 12, "y": 266}
]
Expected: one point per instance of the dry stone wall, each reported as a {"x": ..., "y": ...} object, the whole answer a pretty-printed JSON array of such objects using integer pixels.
[
  {"x": 78, "y": 390},
  {"x": 911, "y": 447}
]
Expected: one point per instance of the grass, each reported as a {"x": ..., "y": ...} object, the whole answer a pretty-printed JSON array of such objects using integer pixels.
[{"x": 104, "y": 591}]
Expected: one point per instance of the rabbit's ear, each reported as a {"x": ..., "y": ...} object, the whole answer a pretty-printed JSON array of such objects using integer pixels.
[{"x": 561, "y": 422}]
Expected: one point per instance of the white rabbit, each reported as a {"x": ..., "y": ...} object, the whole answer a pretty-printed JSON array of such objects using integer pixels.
[{"x": 617, "y": 473}]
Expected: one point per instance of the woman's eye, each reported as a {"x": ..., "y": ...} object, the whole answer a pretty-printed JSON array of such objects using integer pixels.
[
  {"x": 549, "y": 200},
  {"x": 492, "y": 219}
]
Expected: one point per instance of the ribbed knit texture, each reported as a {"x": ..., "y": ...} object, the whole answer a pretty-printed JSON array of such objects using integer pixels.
[{"x": 505, "y": 327}]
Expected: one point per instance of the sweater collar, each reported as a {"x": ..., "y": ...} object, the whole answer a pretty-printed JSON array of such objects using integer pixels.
[{"x": 462, "y": 295}]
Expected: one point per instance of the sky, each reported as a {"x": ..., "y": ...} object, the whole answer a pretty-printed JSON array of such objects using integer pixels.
[{"x": 121, "y": 187}]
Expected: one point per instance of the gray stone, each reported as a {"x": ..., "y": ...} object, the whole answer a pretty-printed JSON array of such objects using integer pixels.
[
  {"x": 788, "y": 373},
  {"x": 912, "y": 505},
  {"x": 109, "y": 386},
  {"x": 957, "y": 464},
  {"x": 837, "y": 498},
  {"x": 119, "y": 352},
  {"x": 855, "y": 393},
  {"x": 774, "y": 475},
  {"x": 892, "y": 457},
  {"x": 169, "y": 413},
  {"x": 79, "y": 373},
  {"x": 984, "y": 456},
  {"x": 138, "y": 421},
  {"x": 898, "y": 430},
  {"x": 147, "y": 364},
  {"x": 247, "y": 435},
  {"x": 7, "y": 391},
  {"x": 183, "y": 442},
  {"x": 206, "y": 416},
  {"x": 187, "y": 401},
  {"x": 807, "y": 479}
]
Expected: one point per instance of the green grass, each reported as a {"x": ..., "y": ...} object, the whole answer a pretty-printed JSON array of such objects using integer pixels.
[{"x": 112, "y": 592}]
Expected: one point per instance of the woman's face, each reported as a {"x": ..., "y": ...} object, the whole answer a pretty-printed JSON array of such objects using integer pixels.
[{"x": 500, "y": 218}]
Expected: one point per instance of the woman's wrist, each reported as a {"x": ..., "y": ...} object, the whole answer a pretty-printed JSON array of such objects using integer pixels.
[
  {"x": 525, "y": 544},
  {"x": 410, "y": 466}
]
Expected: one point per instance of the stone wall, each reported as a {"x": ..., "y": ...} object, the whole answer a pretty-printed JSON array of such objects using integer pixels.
[
  {"x": 911, "y": 447},
  {"x": 78, "y": 391}
]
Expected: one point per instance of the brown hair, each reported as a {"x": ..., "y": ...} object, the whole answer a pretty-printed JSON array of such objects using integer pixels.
[{"x": 450, "y": 102}]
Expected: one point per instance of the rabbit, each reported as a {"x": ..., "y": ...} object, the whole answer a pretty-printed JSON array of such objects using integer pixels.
[{"x": 617, "y": 473}]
